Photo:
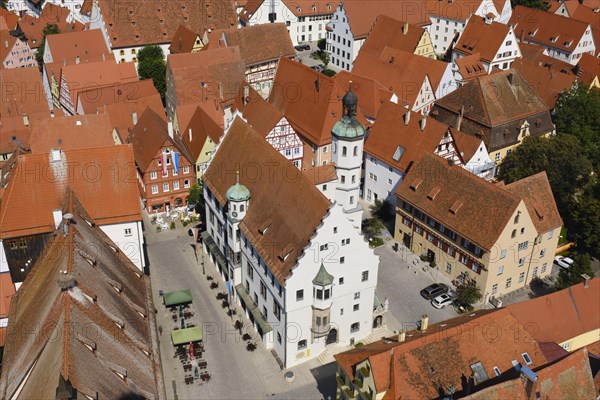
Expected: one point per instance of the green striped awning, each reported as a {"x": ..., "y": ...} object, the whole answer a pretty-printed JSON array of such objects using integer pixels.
[
  {"x": 253, "y": 309},
  {"x": 177, "y": 297},
  {"x": 184, "y": 336}
]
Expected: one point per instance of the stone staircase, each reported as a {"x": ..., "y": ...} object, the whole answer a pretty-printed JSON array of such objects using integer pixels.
[
  {"x": 325, "y": 357},
  {"x": 376, "y": 334}
]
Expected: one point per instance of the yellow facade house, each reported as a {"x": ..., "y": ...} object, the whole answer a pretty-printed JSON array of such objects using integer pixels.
[
  {"x": 200, "y": 131},
  {"x": 500, "y": 237}
]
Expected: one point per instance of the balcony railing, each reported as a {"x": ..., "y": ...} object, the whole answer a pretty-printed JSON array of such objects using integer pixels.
[{"x": 320, "y": 330}]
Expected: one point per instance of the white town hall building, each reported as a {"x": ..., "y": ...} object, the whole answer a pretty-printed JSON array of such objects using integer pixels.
[{"x": 295, "y": 261}]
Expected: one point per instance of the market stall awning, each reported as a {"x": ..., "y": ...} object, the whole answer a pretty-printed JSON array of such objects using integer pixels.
[
  {"x": 177, "y": 297},
  {"x": 184, "y": 336}
]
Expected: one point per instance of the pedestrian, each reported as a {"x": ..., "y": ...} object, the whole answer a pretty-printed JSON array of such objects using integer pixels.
[{"x": 160, "y": 292}]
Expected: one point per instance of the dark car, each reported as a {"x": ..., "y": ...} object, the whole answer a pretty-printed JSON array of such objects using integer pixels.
[
  {"x": 306, "y": 46},
  {"x": 299, "y": 47},
  {"x": 433, "y": 291}
]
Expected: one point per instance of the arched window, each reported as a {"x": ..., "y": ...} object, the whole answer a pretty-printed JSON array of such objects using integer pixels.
[
  {"x": 355, "y": 150},
  {"x": 241, "y": 208},
  {"x": 516, "y": 220},
  {"x": 514, "y": 233},
  {"x": 344, "y": 151}
]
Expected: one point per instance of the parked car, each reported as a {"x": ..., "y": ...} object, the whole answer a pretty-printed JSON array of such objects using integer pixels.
[
  {"x": 302, "y": 47},
  {"x": 564, "y": 262},
  {"x": 434, "y": 290},
  {"x": 317, "y": 68},
  {"x": 442, "y": 301}
]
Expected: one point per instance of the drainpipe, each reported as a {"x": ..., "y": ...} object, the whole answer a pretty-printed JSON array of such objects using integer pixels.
[{"x": 530, "y": 258}]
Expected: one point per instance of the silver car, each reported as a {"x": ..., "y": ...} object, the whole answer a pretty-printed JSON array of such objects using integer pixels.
[{"x": 442, "y": 301}]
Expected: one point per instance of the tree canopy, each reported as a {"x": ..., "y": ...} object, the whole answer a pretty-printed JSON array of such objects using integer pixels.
[
  {"x": 539, "y": 4},
  {"x": 577, "y": 113},
  {"x": 468, "y": 293},
  {"x": 151, "y": 65},
  {"x": 49, "y": 29}
]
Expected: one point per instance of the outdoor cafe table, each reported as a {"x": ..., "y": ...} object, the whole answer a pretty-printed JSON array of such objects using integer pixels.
[
  {"x": 177, "y": 297},
  {"x": 184, "y": 336}
]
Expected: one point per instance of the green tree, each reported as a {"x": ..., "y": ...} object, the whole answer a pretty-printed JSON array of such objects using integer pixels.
[
  {"x": 572, "y": 275},
  {"x": 195, "y": 194},
  {"x": 577, "y": 113},
  {"x": 585, "y": 220},
  {"x": 562, "y": 157},
  {"x": 539, "y": 4},
  {"x": 49, "y": 29},
  {"x": 373, "y": 226},
  {"x": 468, "y": 293},
  {"x": 322, "y": 44},
  {"x": 151, "y": 65}
]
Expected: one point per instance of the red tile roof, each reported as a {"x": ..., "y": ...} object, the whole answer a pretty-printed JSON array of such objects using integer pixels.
[
  {"x": 7, "y": 291},
  {"x": 285, "y": 197},
  {"x": 311, "y": 112},
  {"x": 483, "y": 38},
  {"x": 194, "y": 118},
  {"x": 117, "y": 93},
  {"x": 542, "y": 26},
  {"x": 370, "y": 92},
  {"x": 321, "y": 174},
  {"x": 85, "y": 80},
  {"x": 155, "y": 22},
  {"x": 536, "y": 193},
  {"x": 568, "y": 378},
  {"x": 254, "y": 49},
  {"x": 148, "y": 136},
  {"x": 390, "y": 132},
  {"x": 485, "y": 209},
  {"x": 89, "y": 46},
  {"x": 51, "y": 14},
  {"x": 74, "y": 333},
  {"x": 197, "y": 76},
  {"x": 428, "y": 363},
  {"x": 90, "y": 173},
  {"x": 546, "y": 81},
  {"x": 122, "y": 114},
  {"x": 9, "y": 18},
  {"x": 588, "y": 69},
  {"x": 390, "y": 32},
  {"x": 261, "y": 115},
  {"x": 577, "y": 307},
  {"x": 70, "y": 133},
  {"x": 183, "y": 40},
  {"x": 470, "y": 66}
]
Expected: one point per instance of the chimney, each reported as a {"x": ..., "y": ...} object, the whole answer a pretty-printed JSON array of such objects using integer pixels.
[
  {"x": 401, "y": 336},
  {"x": 405, "y": 28},
  {"x": 423, "y": 122},
  {"x": 77, "y": 60},
  {"x": 25, "y": 120},
  {"x": 6, "y": 44},
  {"x": 103, "y": 57},
  {"x": 585, "y": 279},
  {"x": 221, "y": 91},
  {"x": 64, "y": 62},
  {"x": 190, "y": 134},
  {"x": 407, "y": 116},
  {"x": 134, "y": 117},
  {"x": 66, "y": 222},
  {"x": 424, "y": 322},
  {"x": 170, "y": 128},
  {"x": 529, "y": 380},
  {"x": 510, "y": 78},
  {"x": 51, "y": 114},
  {"x": 65, "y": 281}
]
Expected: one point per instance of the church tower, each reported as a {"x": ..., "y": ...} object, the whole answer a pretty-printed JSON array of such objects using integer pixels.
[{"x": 348, "y": 137}]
